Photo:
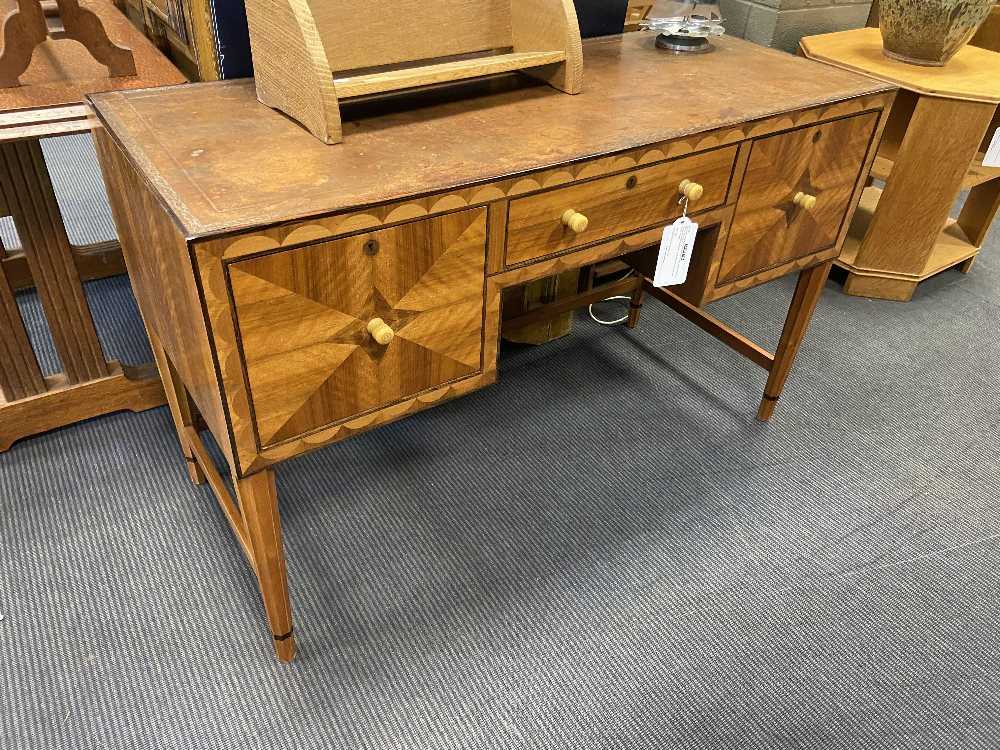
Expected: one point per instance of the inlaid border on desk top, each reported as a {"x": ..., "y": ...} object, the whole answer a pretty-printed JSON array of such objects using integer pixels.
[{"x": 246, "y": 242}]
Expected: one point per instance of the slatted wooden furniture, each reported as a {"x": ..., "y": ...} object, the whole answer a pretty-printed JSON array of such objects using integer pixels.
[
  {"x": 29, "y": 25},
  {"x": 49, "y": 101},
  {"x": 290, "y": 308},
  {"x": 309, "y": 55},
  {"x": 941, "y": 125}
]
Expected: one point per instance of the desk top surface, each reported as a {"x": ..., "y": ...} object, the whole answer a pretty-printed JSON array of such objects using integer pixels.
[
  {"x": 221, "y": 161},
  {"x": 972, "y": 74},
  {"x": 63, "y": 72}
]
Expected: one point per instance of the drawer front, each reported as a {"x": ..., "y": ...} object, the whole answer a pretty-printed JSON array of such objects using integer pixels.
[
  {"x": 770, "y": 227},
  {"x": 303, "y": 317},
  {"x": 614, "y": 205}
]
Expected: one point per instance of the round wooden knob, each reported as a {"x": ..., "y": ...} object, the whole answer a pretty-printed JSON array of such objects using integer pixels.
[
  {"x": 805, "y": 201},
  {"x": 575, "y": 220},
  {"x": 691, "y": 190},
  {"x": 380, "y": 331}
]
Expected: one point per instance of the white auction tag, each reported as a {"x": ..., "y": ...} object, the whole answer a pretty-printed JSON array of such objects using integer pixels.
[
  {"x": 676, "y": 247},
  {"x": 993, "y": 152}
]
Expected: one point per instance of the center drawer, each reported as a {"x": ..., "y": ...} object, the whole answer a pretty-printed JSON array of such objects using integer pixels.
[
  {"x": 340, "y": 328},
  {"x": 613, "y": 205}
]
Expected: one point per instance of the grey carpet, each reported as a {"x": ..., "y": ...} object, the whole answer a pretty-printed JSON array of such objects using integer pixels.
[{"x": 604, "y": 550}]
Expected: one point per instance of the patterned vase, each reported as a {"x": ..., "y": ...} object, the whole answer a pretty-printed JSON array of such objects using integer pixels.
[{"x": 929, "y": 32}]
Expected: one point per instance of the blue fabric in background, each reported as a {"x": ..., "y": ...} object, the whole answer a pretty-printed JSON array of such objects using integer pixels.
[
  {"x": 601, "y": 17},
  {"x": 232, "y": 39}
]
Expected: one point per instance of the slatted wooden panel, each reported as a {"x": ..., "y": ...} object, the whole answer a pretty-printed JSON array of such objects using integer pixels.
[
  {"x": 20, "y": 375},
  {"x": 25, "y": 182}
]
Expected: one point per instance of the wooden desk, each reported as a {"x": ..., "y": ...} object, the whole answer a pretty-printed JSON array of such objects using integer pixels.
[
  {"x": 941, "y": 124},
  {"x": 262, "y": 257},
  {"x": 49, "y": 103}
]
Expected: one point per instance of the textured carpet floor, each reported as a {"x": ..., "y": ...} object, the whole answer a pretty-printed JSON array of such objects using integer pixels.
[{"x": 604, "y": 550}]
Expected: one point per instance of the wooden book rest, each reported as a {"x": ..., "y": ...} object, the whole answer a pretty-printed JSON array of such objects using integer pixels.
[
  {"x": 25, "y": 27},
  {"x": 309, "y": 54}
]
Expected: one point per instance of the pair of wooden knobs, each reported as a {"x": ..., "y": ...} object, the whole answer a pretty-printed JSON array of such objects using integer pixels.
[
  {"x": 692, "y": 191},
  {"x": 577, "y": 222}
]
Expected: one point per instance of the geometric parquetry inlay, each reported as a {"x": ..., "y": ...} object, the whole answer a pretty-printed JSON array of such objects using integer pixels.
[
  {"x": 822, "y": 161},
  {"x": 302, "y": 317}
]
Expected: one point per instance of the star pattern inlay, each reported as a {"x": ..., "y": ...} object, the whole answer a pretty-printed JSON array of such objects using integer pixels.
[{"x": 304, "y": 316}]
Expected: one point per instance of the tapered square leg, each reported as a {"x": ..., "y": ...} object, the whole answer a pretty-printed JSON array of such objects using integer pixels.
[
  {"x": 807, "y": 294},
  {"x": 258, "y": 501},
  {"x": 635, "y": 307},
  {"x": 180, "y": 407}
]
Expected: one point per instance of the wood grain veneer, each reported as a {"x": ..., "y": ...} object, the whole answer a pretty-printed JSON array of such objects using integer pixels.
[
  {"x": 824, "y": 162},
  {"x": 614, "y": 205},
  {"x": 331, "y": 290},
  {"x": 303, "y": 320},
  {"x": 164, "y": 283}
]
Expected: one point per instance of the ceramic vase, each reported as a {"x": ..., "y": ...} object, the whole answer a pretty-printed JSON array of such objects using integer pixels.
[{"x": 929, "y": 32}]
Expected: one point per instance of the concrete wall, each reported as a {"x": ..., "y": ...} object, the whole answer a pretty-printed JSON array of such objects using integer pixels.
[{"x": 781, "y": 23}]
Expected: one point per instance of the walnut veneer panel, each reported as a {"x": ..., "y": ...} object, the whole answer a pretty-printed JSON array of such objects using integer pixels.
[
  {"x": 614, "y": 205},
  {"x": 823, "y": 161},
  {"x": 303, "y": 318},
  {"x": 159, "y": 266},
  {"x": 238, "y": 164}
]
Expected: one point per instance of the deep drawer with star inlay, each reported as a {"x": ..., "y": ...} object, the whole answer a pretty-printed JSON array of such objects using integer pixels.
[
  {"x": 796, "y": 194},
  {"x": 336, "y": 329}
]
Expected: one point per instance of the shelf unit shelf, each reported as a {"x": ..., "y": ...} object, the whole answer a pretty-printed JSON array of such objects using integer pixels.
[
  {"x": 454, "y": 70},
  {"x": 977, "y": 174},
  {"x": 931, "y": 155},
  {"x": 951, "y": 248}
]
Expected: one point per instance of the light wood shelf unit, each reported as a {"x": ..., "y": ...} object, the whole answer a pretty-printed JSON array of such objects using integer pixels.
[
  {"x": 939, "y": 128},
  {"x": 309, "y": 55},
  {"x": 951, "y": 248},
  {"x": 977, "y": 174}
]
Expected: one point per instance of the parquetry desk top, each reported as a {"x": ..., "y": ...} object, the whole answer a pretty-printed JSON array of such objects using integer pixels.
[{"x": 222, "y": 161}]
